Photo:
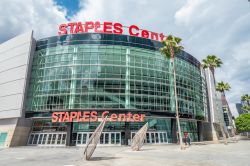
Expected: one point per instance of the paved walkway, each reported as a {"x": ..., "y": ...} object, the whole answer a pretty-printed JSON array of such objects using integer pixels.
[{"x": 233, "y": 154}]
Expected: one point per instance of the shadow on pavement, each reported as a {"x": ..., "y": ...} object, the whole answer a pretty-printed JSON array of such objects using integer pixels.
[
  {"x": 103, "y": 158},
  {"x": 146, "y": 149}
]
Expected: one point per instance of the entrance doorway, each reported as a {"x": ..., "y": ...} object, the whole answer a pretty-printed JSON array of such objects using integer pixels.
[
  {"x": 47, "y": 139},
  {"x": 154, "y": 137},
  {"x": 107, "y": 138}
]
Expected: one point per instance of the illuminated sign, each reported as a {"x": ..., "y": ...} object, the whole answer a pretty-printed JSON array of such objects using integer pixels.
[
  {"x": 91, "y": 116},
  {"x": 107, "y": 27}
]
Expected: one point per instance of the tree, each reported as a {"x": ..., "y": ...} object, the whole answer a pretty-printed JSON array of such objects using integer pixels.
[
  {"x": 245, "y": 108},
  {"x": 243, "y": 123},
  {"x": 211, "y": 62},
  {"x": 245, "y": 99},
  {"x": 170, "y": 47},
  {"x": 222, "y": 87}
]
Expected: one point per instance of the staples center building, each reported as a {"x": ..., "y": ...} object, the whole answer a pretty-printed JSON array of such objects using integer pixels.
[{"x": 55, "y": 91}]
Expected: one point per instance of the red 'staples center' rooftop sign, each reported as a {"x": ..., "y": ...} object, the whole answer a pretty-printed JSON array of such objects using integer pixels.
[{"x": 107, "y": 27}]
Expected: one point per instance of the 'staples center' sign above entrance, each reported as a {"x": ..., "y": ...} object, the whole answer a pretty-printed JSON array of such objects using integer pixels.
[
  {"x": 107, "y": 27},
  {"x": 91, "y": 116}
]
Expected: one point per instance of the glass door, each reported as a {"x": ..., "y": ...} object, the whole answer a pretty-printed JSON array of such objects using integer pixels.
[
  {"x": 154, "y": 137},
  {"x": 47, "y": 139},
  {"x": 106, "y": 138}
]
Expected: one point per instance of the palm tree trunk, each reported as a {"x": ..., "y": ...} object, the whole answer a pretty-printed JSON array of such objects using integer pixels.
[
  {"x": 176, "y": 105},
  {"x": 212, "y": 70}
]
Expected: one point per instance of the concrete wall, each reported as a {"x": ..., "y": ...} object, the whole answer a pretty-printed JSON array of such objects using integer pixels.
[
  {"x": 21, "y": 133},
  {"x": 15, "y": 60}
]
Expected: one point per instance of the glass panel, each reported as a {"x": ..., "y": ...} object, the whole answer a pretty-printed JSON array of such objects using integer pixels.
[
  {"x": 59, "y": 137},
  {"x": 106, "y": 138},
  {"x": 156, "y": 137},
  {"x": 84, "y": 138},
  {"x": 64, "y": 139},
  {"x": 161, "y": 137},
  {"x": 147, "y": 137},
  {"x": 152, "y": 137},
  {"x": 165, "y": 137},
  {"x": 3, "y": 136},
  {"x": 49, "y": 139},
  {"x": 112, "y": 138},
  {"x": 40, "y": 139},
  {"x": 35, "y": 139},
  {"x": 54, "y": 139},
  {"x": 79, "y": 138},
  {"x": 31, "y": 139},
  {"x": 118, "y": 138},
  {"x": 44, "y": 138},
  {"x": 101, "y": 139}
]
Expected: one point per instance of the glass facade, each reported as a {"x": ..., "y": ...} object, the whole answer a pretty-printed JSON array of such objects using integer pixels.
[
  {"x": 111, "y": 72},
  {"x": 117, "y": 73}
]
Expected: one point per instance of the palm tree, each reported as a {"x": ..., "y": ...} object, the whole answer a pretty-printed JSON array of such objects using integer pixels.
[
  {"x": 222, "y": 87},
  {"x": 211, "y": 62},
  {"x": 245, "y": 108},
  {"x": 245, "y": 99},
  {"x": 171, "y": 47}
]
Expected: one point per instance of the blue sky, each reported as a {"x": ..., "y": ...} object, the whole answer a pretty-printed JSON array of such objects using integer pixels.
[
  {"x": 219, "y": 27},
  {"x": 72, "y": 6}
]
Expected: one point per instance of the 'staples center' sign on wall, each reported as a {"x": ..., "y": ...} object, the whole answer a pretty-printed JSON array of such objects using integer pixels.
[
  {"x": 107, "y": 27},
  {"x": 91, "y": 116}
]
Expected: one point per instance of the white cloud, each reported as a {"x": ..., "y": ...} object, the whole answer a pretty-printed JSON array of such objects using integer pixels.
[{"x": 19, "y": 16}]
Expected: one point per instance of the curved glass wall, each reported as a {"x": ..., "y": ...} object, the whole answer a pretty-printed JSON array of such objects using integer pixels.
[{"x": 111, "y": 72}]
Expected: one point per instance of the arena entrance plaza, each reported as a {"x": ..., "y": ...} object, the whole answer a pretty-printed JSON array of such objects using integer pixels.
[{"x": 155, "y": 155}]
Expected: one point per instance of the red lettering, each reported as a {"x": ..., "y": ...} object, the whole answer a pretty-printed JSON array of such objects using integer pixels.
[
  {"x": 104, "y": 114},
  {"x": 73, "y": 115},
  {"x": 142, "y": 117},
  {"x": 144, "y": 34},
  {"x": 66, "y": 117},
  {"x": 79, "y": 116},
  {"x": 61, "y": 116},
  {"x": 129, "y": 116},
  {"x": 122, "y": 117},
  {"x": 97, "y": 26},
  {"x": 118, "y": 28},
  {"x": 79, "y": 28},
  {"x": 63, "y": 29},
  {"x": 55, "y": 117},
  {"x": 71, "y": 25},
  {"x": 161, "y": 37},
  {"x": 131, "y": 30},
  {"x": 86, "y": 116},
  {"x": 93, "y": 116},
  {"x": 136, "y": 118},
  {"x": 88, "y": 26},
  {"x": 113, "y": 117},
  {"x": 154, "y": 36},
  {"x": 107, "y": 27}
]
